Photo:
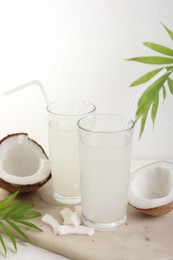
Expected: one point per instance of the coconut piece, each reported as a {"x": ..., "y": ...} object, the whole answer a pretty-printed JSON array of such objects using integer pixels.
[
  {"x": 66, "y": 229},
  {"x": 24, "y": 165},
  {"x": 79, "y": 230},
  {"x": 52, "y": 222},
  {"x": 70, "y": 217},
  {"x": 151, "y": 188},
  {"x": 75, "y": 218},
  {"x": 66, "y": 215}
]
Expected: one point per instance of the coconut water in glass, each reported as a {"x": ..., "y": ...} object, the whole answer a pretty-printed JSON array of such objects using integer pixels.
[
  {"x": 64, "y": 148},
  {"x": 105, "y": 151}
]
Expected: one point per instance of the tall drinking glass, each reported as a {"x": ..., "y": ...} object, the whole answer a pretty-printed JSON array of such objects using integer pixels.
[
  {"x": 64, "y": 148},
  {"x": 105, "y": 151}
]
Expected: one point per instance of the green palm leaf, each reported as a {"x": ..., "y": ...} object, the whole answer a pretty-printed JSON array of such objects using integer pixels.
[
  {"x": 3, "y": 244},
  {"x": 156, "y": 60},
  {"x": 155, "y": 108},
  {"x": 4, "y": 203},
  {"x": 150, "y": 97},
  {"x": 170, "y": 85},
  {"x": 145, "y": 77},
  {"x": 16, "y": 228},
  {"x": 17, "y": 209},
  {"x": 8, "y": 232},
  {"x": 28, "y": 214},
  {"x": 28, "y": 224},
  {"x": 153, "y": 89},
  {"x": 159, "y": 48},
  {"x": 12, "y": 213},
  {"x": 168, "y": 31},
  {"x": 142, "y": 108},
  {"x": 148, "y": 76},
  {"x": 143, "y": 121},
  {"x": 8, "y": 210},
  {"x": 164, "y": 92}
]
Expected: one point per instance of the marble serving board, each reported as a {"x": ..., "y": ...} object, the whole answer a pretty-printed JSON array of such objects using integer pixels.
[{"x": 142, "y": 237}]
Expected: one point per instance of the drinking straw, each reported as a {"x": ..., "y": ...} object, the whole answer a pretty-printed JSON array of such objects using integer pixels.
[
  {"x": 130, "y": 112},
  {"x": 135, "y": 98},
  {"x": 33, "y": 82}
]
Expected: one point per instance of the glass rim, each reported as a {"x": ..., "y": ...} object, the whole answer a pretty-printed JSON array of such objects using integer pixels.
[
  {"x": 106, "y": 132},
  {"x": 48, "y": 108}
]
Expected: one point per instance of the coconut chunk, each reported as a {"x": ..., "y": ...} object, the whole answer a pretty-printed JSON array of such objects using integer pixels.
[
  {"x": 66, "y": 215},
  {"x": 66, "y": 229}
]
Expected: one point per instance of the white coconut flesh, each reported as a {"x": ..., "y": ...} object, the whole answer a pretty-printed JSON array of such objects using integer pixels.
[
  {"x": 22, "y": 160},
  {"x": 151, "y": 186}
]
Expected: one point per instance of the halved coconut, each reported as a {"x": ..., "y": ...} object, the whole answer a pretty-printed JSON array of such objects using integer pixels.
[
  {"x": 24, "y": 165},
  {"x": 151, "y": 188}
]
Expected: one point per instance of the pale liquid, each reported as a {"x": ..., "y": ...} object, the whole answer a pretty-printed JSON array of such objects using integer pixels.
[
  {"x": 104, "y": 180},
  {"x": 64, "y": 154}
]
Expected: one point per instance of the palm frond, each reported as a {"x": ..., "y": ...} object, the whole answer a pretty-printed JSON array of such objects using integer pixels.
[
  {"x": 14, "y": 213},
  {"x": 150, "y": 97}
]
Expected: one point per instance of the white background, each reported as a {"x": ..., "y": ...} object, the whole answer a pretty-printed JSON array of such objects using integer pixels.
[{"x": 77, "y": 49}]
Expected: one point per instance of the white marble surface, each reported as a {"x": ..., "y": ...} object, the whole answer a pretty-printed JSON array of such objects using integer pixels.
[
  {"x": 27, "y": 251},
  {"x": 143, "y": 237}
]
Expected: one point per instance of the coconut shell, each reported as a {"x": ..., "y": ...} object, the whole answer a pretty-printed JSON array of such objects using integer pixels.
[
  {"x": 11, "y": 187},
  {"x": 157, "y": 211},
  {"x": 23, "y": 188}
]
